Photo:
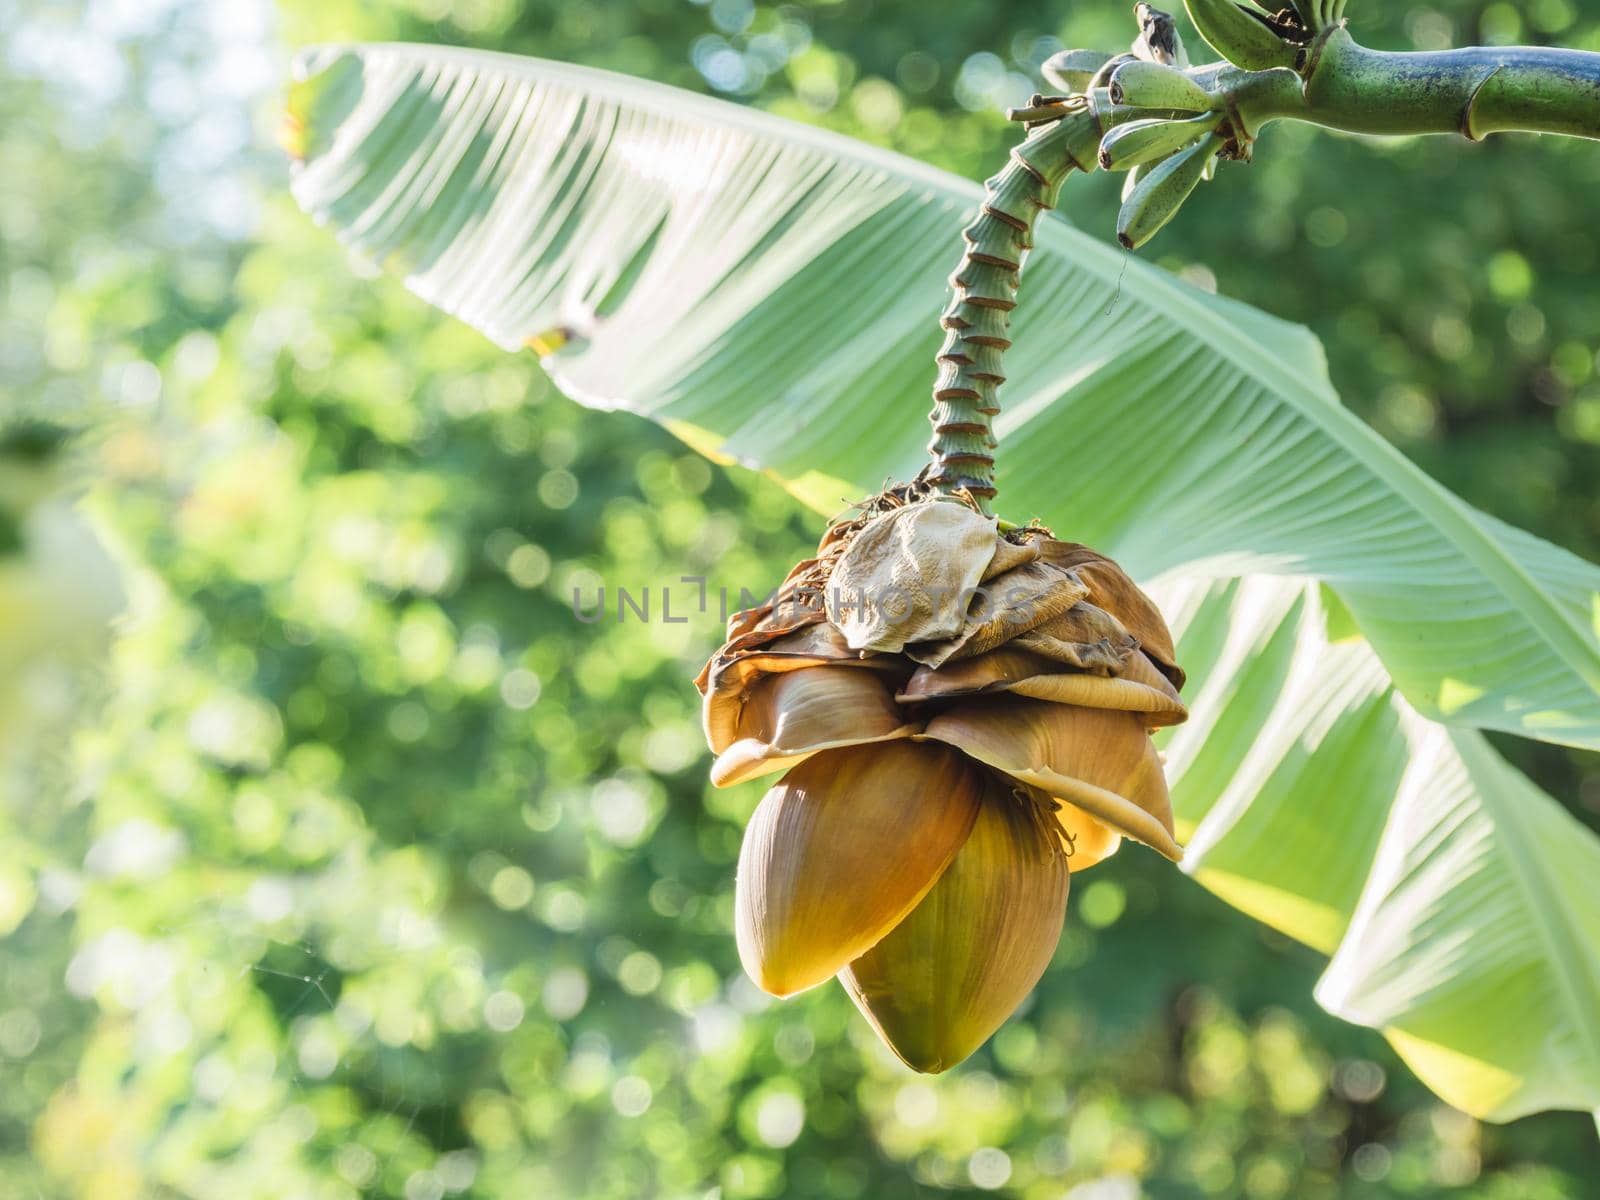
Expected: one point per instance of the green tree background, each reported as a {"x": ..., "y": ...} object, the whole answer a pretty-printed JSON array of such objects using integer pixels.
[{"x": 370, "y": 871}]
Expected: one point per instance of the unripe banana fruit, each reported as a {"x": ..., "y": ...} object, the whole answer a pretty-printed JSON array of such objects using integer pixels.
[
  {"x": 1155, "y": 85},
  {"x": 1134, "y": 178},
  {"x": 1145, "y": 141},
  {"x": 1240, "y": 37},
  {"x": 1160, "y": 194},
  {"x": 1072, "y": 70}
]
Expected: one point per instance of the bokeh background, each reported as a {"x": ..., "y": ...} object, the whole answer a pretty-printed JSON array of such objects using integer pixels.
[{"x": 350, "y": 864}]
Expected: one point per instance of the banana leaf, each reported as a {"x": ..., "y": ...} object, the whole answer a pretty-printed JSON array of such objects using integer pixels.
[
  {"x": 769, "y": 293},
  {"x": 1456, "y": 898}
]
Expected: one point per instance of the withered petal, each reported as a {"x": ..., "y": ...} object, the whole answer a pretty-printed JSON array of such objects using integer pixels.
[
  {"x": 1100, "y": 760},
  {"x": 1009, "y": 555},
  {"x": 947, "y": 976},
  {"x": 900, "y": 579},
  {"x": 841, "y": 849},
  {"x": 1139, "y": 689},
  {"x": 732, "y": 675},
  {"x": 1086, "y": 658},
  {"x": 1086, "y": 636},
  {"x": 995, "y": 671},
  {"x": 1009, "y": 604},
  {"x": 1012, "y": 668},
  {"x": 789, "y": 716},
  {"x": 759, "y": 636},
  {"x": 1110, "y": 588}
]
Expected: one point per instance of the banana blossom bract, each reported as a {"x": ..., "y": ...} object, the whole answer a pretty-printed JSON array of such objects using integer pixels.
[{"x": 959, "y": 717}]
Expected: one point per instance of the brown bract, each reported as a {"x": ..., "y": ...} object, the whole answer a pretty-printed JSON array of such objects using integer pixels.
[{"x": 962, "y": 715}]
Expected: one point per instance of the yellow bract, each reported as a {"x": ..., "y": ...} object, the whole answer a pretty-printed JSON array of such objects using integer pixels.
[
  {"x": 841, "y": 850},
  {"x": 948, "y": 976}
]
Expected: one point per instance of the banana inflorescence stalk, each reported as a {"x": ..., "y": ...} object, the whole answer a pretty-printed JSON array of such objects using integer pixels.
[
  {"x": 1064, "y": 133},
  {"x": 978, "y": 318}
]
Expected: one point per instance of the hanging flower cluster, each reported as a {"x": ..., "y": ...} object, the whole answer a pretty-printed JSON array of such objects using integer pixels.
[{"x": 960, "y": 717}]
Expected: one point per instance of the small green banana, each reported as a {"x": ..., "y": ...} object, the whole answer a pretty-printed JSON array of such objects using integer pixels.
[
  {"x": 1155, "y": 85},
  {"x": 1160, "y": 194},
  {"x": 1145, "y": 141},
  {"x": 1239, "y": 36},
  {"x": 1102, "y": 78},
  {"x": 1071, "y": 70},
  {"x": 1113, "y": 116},
  {"x": 1133, "y": 178}
]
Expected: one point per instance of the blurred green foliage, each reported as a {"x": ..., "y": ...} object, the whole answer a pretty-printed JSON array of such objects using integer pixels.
[{"x": 376, "y": 873}]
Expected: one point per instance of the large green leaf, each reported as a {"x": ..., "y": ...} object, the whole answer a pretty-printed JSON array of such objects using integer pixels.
[
  {"x": 1458, "y": 900},
  {"x": 769, "y": 293}
]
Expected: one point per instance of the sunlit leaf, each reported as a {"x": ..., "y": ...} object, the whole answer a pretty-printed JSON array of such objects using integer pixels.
[{"x": 1456, "y": 898}]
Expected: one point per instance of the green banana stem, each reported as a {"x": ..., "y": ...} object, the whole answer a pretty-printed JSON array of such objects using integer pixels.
[
  {"x": 1473, "y": 91},
  {"x": 1336, "y": 83},
  {"x": 978, "y": 318}
]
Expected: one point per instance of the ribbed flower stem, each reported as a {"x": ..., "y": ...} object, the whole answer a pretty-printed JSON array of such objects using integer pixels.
[{"x": 978, "y": 318}]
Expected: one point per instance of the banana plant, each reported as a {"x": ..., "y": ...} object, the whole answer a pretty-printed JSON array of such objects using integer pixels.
[{"x": 765, "y": 291}]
